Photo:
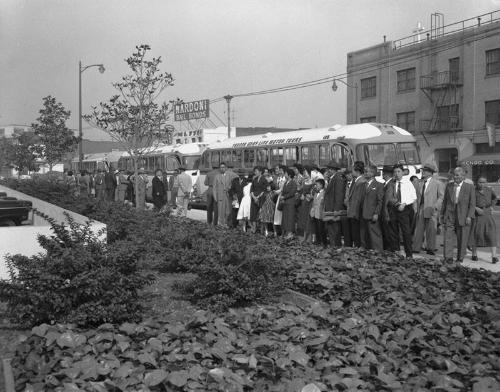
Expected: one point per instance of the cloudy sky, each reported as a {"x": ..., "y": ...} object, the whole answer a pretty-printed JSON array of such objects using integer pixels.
[{"x": 212, "y": 48}]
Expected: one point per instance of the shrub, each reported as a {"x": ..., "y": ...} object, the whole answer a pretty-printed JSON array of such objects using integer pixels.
[
  {"x": 235, "y": 273},
  {"x": 79, "y": 280}
]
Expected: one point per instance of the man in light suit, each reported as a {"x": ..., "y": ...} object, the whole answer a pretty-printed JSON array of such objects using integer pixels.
[
  {"x": 430, "y": 193},
  {"x": 457, "y": 212},
  {"x": 371, "y": 232}
]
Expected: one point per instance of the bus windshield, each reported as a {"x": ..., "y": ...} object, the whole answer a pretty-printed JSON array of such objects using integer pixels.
[
  {"x": 191, "y": 162},
  {"x": 378, "y": 154},
  {"x": 408, "y": 153}
]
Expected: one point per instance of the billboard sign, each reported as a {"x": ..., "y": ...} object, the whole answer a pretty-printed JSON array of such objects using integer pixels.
[{"x": 191, "y": 110}]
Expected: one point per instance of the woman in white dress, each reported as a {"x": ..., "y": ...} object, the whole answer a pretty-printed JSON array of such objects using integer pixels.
[
  {"x": 280, "y": 182},
  {"x": 246, "y": 201}
]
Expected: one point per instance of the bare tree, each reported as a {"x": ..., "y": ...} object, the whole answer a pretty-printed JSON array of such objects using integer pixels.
[{"x": 133, "y": 117}]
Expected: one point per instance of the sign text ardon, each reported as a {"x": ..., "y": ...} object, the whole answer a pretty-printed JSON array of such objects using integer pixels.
[{"x": 191, "y": 110}]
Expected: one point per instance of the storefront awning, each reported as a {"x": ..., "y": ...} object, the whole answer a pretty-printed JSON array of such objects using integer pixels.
[{"x": 481, "y": 159}]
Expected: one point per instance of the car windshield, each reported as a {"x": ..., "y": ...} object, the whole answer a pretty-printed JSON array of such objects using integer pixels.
[
  {"x": 378, "y": 154},
  {"x": 408, "y": 153}
]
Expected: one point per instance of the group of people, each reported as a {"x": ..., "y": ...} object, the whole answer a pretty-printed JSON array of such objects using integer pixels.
[
  {"x": 119, "y": 185},
  {"x": 349, "y": 207}
]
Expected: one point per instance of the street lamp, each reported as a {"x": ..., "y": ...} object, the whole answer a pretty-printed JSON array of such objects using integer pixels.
[
  {"x": 335, "y": 87},
  {"x": 82, "y": 69}
]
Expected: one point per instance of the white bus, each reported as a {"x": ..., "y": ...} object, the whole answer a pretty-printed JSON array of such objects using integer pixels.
[
  {"x": 168, "y": 158},
  {"x": 93, "y": 162},
  {"x": 372, "y": 143}
]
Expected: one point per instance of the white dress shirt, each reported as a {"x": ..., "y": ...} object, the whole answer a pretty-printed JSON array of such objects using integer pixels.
[
  {"x": 457, "y": 190},
  {"x": 408, "y": 193}
]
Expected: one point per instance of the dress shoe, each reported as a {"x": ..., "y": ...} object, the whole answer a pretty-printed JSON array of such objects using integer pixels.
[
  {"x": 460, "y": 261},
  {"x": 494, "y": 260},
  {"x": 474, "y": 258},
  {"x": 431, "y": 253},
  {"x": 448, "y": 260}
]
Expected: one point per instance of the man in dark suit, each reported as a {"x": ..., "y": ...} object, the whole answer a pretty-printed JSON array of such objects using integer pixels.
[
  {"x": 236, "y": 194},
  {"x": 390, "y": 233},
  {"x": 457, "y": 212},
  {"x": 110, "y": 184},
  {"x": 354, "y": 201},
  {"x": 334, "y": 203},
  {"x": 158, "y": 190},
  {"x": 371, "y": 233}
]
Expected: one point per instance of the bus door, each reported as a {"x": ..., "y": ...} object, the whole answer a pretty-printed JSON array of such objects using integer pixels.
[{"x": 342, "y": 154}]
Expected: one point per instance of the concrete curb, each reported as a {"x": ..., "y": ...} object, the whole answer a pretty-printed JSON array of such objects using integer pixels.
[{"x": 8, "y": 375}]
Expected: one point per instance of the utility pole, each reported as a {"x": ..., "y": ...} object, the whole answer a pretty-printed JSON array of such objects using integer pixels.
[{"x": 228, "y": 100}]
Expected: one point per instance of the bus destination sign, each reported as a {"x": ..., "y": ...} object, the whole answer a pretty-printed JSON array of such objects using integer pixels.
[{"x": 191, "y": 110}]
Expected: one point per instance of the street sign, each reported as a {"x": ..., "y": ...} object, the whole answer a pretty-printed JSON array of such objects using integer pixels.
[{"x": 191, "y": 110}]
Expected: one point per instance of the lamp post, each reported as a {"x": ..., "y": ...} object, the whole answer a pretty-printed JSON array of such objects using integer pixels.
[
  {"x": 228, "y": 100},
  {"x": 82, "y": 69},
  {"x": 335, "y": 87}
]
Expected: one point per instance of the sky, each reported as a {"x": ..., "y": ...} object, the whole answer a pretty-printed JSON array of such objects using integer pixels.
[{"x": 211, "y": 47}]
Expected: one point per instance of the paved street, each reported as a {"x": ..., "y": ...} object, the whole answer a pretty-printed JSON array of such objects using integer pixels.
[{"x": 483, "y": 254}]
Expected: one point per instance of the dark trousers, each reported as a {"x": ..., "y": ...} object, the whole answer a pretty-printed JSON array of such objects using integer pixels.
[
  {"x": 110, "y": 194},
  {"x": 354, "y": 232},
  {"x": 371, "y": 235},
  {"x": 390, "y": 235},
  {"x": 234, "y": 217},
  {"x": 346, "y": 232},
  {"x": 212, "y": 209},
  {"x": 319, "y": 230},
  {"x": 455, "y": 234},
  {"x": 403, "y": 223},
  {"x": 334, "y": 233}
]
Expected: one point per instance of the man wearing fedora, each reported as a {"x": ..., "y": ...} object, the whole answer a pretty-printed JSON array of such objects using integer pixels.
[
  {"x": 430, "y": 193},
  {"x": 354, "y": 200},
  {"x": 334, "y": 203}
]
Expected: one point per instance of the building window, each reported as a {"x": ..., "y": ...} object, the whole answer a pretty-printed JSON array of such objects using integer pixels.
[
  {"x": 484, "y": 148},
  {"x": 406, "y": 80},
  {"x": 454, "y": 67},
  {"x": 369, "y": 87},
  {"x": 448, "y": 117},
  {"x": 371, "y": 119},
  {"x": 447, "y": 159},
  {"x": 493, "y": 62},
  {"x": 492, "y": 112},
  {"x": 406, "y": 121}
]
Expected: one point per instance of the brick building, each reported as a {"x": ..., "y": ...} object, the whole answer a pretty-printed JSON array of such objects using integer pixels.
[{"x": 443, "y": 85}]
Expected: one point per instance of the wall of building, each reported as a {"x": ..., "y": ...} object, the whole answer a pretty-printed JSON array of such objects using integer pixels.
[{"x": 429, "y": 56}]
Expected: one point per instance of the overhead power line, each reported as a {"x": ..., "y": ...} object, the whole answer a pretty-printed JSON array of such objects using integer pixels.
[{"x": 381, "y": 64}]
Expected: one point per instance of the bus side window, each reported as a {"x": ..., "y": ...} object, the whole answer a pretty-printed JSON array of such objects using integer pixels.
[
  {"x": 308, "y": 155},
  {"x": 276, "y": 156},
  {"x": 172, "y": 164},
  {"x": 214, "y": 159},
  {"x": 262, "y": 157},
  {"x": 204, "y": 160},
  {"x": 291, "y": 155},
  {"x": 249, "y": 158},
  {"x": 226, "y": 157},
  {"x": 236, "y": 159},
  {"x": 324, "y": 157}
]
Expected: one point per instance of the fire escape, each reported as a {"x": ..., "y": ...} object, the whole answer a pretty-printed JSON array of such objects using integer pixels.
[{"x": 443, "y": 91}]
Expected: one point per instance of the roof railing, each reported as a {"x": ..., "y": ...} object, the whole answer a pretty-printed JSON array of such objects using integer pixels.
[{"x": 442, "y": 31}]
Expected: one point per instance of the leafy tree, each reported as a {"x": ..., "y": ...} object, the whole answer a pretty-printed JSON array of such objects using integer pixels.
[
  {"x": 133, "y": 117},
  {"x": 23, "y": 154},
  {"x": 56, "y": 139},
  {"x": 5, "y": 148}
]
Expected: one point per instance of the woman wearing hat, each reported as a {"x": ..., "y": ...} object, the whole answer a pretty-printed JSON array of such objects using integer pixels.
[{"x": 483, "y": 232}]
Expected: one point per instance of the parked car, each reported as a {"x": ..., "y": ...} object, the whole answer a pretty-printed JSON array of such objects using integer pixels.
[{"x": 14, "y": 210}]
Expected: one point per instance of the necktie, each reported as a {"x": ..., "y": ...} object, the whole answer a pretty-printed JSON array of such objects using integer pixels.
[
  {"x": 398, "y": 194},
  {"x": 423, "y": 193}
]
